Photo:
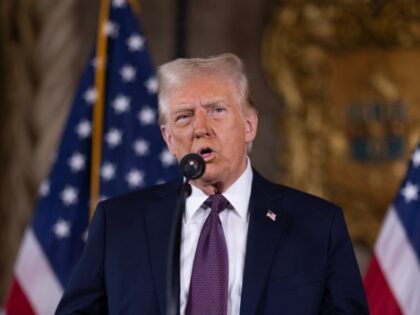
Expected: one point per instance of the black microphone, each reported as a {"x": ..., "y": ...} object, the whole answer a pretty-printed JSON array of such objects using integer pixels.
[{"x": 192, "y": 166}]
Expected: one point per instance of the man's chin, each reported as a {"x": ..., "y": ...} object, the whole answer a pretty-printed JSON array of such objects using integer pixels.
[{"x": 208, "y": 178}]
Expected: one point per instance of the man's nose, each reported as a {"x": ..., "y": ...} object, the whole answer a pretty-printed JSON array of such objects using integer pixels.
[{"x": 201, "y": 127}]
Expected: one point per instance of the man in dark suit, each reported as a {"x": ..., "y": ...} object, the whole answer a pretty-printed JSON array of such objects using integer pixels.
[{"x": 248, "y": 246}]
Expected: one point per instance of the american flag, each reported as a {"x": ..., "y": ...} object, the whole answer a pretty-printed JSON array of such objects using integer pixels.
[
  {"x": 271, "y": 215},
  {"x": 392, "y": 282},
  {"x": 133, "y": 156}
]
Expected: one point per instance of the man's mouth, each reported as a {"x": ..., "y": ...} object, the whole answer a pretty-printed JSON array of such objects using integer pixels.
[{"x": 206, "y": 153}]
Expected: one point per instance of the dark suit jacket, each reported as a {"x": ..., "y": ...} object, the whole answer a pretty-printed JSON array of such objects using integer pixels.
[{"x": 301, "y": 263}]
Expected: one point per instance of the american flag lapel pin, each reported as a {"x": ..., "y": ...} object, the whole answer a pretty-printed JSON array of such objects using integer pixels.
[{"x": 271, "y": 215}]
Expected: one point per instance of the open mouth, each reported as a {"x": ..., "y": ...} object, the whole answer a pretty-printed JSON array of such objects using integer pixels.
[{"x": 206, "y": 153}]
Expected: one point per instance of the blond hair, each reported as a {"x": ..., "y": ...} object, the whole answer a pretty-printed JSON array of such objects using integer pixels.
[{"x": 174, "y": 73}]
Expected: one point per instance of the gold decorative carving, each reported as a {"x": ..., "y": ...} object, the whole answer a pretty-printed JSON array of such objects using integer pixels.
[{"x": 348, "y": 73}]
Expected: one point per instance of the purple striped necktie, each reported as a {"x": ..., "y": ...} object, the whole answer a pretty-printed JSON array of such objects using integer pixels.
[{"x": 208, "y": 293}]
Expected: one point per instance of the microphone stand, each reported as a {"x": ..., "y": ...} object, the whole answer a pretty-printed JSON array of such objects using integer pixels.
[
  {"x": 192, "y": 167},
  {"x": 173, "y": 279}
]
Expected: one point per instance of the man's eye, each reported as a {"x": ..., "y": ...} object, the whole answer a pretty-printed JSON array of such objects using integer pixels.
[
  {"x": 182, "y": 117},
  {"x": 219, "y": 109}
]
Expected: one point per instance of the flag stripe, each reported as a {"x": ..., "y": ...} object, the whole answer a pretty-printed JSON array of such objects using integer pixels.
[
  {"x": 399, "y": 263},
  {"x": 396, "y": 252},
  {"x": 35, "y": 276},
  {"x": 409, "y": 214},
  {"x": 381, "y": 299},
  {"x": 18, "y": 303}
]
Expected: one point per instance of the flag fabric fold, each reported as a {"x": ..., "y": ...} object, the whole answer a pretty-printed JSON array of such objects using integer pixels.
[
  {"x": 132, "y": 155},
  {"x": 392, "y": 281}
]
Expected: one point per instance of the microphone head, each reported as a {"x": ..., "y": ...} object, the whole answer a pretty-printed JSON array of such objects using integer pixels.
[{"x": 192, "y": 166}]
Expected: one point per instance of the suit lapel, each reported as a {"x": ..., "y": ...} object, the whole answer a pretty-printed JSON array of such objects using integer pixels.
[
  {"x": 159, "y": 218},
  {"x": 264, "y": 235}
]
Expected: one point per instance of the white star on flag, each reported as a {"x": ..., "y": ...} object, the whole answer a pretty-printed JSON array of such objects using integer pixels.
[
  {"x": 141, "y": 147},
  {"x": 167, "y": 158},
  {"x": 151, "y": 85},
  {"x": 113, "y": 137},
  {"x": 121, "y": 104},
  {"x": 90, "y": 95},
  {"x": 135, "y": 43},
  {"x": 69, "y": 195},
  {"x": 134, "y": 178},
  {"x": 128, "y": 73},
  {"x": 147, "y": 116},
  {"x": 77, "y": 162},
  {"x": 416, "y": 158},
  {"x": 410, "y": 192},
  {"x": 119, "y": 3},
  {"x": 111, "y": 29},
  {"x": 61, "y": 229},
  {"x": 83, "y": 129},
  {"x": 108, "y": 171},
  {"x": 44, "y": 189}
]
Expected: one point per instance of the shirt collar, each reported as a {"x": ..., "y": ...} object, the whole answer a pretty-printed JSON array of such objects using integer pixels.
[{"x": 238, "y": 195}]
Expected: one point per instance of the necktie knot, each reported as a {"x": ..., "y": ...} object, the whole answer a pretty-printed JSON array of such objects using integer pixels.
[{"x": 217, "y": 203}]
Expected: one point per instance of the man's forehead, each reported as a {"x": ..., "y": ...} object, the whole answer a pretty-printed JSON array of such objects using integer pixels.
[
  {"x": 202, "y": 79},
  {"x": 203, "y": 89}
]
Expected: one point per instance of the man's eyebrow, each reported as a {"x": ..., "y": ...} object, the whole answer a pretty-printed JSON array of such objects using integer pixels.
[
  {"x": 183, "y": 108},
  {"x": 211, "y": 103}
]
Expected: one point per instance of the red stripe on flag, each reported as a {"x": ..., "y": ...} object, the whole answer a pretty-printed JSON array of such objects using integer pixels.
[
  {"x": 17, "y": 303},
  {"x": 380, "y": 298}
]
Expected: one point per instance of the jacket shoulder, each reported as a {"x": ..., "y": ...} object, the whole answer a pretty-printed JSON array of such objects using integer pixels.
[
  {"x": 140, "y": 198},
  {"x": 297, "y": 200}
]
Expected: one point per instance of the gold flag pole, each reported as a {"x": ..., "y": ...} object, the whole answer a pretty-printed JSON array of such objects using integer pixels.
[{"x": 98, "y": 110}]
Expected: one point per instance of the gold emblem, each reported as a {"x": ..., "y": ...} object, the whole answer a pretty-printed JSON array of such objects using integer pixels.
[{"x": 348, "y": 74}]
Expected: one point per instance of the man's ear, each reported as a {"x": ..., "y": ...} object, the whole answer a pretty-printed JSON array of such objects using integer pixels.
[
  {"x": 251, "y": 125},
  {"x": 166, "y": 136}
]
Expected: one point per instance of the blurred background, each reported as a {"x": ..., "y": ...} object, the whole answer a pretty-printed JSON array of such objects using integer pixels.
[{"x": 335, "y": 83}]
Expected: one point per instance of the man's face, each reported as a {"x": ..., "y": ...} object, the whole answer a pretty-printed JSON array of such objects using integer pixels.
[{"x": 204, "y": 117}]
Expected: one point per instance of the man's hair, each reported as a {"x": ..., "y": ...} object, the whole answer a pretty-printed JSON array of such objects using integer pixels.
[{"x": 174, "y": 73}]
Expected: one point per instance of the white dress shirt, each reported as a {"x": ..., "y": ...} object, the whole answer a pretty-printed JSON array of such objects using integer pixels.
[{"x": 235, "y": 226}]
